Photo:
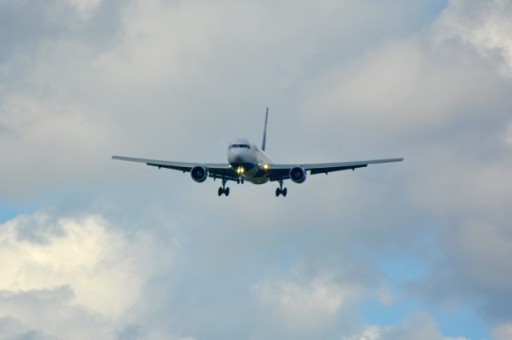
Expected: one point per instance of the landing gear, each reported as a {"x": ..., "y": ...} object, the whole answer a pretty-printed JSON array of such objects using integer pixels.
[
  {"x": 281, "y": 190},
  {"x": 223, "y": 189}
]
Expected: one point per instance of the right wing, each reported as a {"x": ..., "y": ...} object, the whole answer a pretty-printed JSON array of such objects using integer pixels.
[{"x": 221, "y": 171}]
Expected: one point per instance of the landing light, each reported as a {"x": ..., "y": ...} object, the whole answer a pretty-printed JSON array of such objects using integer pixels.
[
  {"x": 240, "y": 170},
  {"x": 265, "y": 166}
]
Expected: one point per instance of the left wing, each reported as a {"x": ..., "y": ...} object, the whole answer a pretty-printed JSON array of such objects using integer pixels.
[
  {"x": 282, "y": 171},
  {"x": 222, "y": 171}
]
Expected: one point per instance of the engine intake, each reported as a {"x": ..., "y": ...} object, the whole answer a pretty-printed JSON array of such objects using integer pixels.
[
  {"x": 298, "y": 174},
  {"x": 199, "y": 173}
]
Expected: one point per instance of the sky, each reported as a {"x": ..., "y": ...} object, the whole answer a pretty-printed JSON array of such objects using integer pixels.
[{"x": 92, "y": 248}]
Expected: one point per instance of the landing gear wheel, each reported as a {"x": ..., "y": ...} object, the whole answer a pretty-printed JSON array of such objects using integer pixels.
[
  {"x": 281, "y": 191},
  {"x": 223, "y": 190}
]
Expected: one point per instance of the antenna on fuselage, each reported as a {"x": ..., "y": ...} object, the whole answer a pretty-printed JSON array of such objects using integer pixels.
[{"x": 264, "y": 142}]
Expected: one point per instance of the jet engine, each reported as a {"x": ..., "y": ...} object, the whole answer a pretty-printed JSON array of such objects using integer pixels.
[
  {"x": 199, "y": 173},
  {"x": 298, "y": 174}
]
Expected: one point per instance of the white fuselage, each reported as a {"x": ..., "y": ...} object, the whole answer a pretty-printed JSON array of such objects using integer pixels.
[{"x": 248, "y": 161}]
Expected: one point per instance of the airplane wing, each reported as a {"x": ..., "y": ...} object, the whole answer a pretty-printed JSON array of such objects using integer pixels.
[
  {"x": 279, "y": 172},
  {"x": 222, "y": 171}
]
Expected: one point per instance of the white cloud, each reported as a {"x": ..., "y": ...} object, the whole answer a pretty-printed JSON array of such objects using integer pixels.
[
  {"x": 53, "y": 313},
  {"x": 484, "y": 25},
  {"x": 306, "y": 305},
  {"x": 85, "y": 7},
  {"x": 58, "y": 273},
  {"x": 368, "y": 333},
  {"x": 503, "y": 331},
  {"x": 419, "y": 325},
  {"x": 49, "y": 136}
]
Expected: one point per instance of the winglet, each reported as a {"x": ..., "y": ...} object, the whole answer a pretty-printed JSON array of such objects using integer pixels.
[{"x": 264, "y": 142}]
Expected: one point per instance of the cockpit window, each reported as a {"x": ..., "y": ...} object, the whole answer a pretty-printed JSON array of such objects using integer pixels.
[{"x": 244, "y": 146}]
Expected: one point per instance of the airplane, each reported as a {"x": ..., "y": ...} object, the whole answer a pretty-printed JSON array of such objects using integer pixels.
[{"x": 248, "y": 162}]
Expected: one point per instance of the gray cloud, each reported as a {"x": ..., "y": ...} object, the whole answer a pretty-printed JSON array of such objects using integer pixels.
[
  {"x": 178, "y": 80},
  {"x": 13, "y": 329}
]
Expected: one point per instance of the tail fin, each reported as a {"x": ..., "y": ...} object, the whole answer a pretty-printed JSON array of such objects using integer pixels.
[{"x": 264, "y": 143}]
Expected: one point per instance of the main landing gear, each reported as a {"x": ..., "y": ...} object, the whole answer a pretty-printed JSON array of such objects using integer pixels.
[
  {"x": 281, "y": 190},
  {"x": 223, "y": 189}
]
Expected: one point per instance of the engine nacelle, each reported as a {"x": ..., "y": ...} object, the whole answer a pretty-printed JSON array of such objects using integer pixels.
[
  {"x": 199, "y": 173},
  {"x": 298, "y": 174}
]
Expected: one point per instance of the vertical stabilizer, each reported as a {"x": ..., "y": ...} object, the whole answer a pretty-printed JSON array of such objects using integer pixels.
[{"x": 264, "y": 142}]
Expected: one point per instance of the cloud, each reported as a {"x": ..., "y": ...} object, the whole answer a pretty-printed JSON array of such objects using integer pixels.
[
  {"x": 369, "y": 333},
  {"x": 473, "y": 269},
  {"x": 85, "y": 6},
  {"x": 52, "y": 313},
  {"x": 483, "y": 26},
  {"x": 305, "y": 306},
  {"x": 77, "y": 272},
  {"x": 178, "y": 80},
  {"x": 507, "y": 136},
  {"x": 82, "y": 254},
  {"x": 13, "y": 329},
  {"x": 502, "y": 331},
  {"x": 449, "y": 106},
  {"x": 419, "y": 325}
]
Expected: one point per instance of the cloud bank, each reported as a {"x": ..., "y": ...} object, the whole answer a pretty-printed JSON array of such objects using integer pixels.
[{"x": 92, "y": 248}]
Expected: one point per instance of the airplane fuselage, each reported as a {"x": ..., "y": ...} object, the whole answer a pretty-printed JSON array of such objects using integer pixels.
[{"x": 249, "y": 161}]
